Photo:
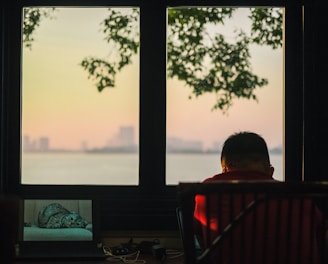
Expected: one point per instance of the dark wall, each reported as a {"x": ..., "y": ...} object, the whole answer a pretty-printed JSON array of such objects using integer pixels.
[{"x": 315, "y": 95}]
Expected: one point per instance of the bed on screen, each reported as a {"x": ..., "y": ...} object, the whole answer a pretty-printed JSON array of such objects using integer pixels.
[{"x": 33, "y": 231}]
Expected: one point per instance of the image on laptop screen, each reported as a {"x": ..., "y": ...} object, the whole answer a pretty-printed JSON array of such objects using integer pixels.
[
  {"x": 61, "y": 228},
  {"x": 61, "y": 220}
]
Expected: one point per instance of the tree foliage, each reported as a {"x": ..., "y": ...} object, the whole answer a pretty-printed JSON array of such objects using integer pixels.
[
  {"x": 121, "y": 31},
  {"x": 31, "y": 21},
  {"x": 205, "y": 62},
  {"x": 210, "y": 64}
]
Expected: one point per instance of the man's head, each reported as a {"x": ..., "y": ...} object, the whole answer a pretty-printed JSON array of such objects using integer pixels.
[{"x": 246, "y": 151}]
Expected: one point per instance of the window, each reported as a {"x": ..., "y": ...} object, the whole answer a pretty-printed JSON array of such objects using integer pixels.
[
  {"x": 196, "y": 131},
  {"x": 72, "y": 133},
  {"x": 151, "y": 199}
]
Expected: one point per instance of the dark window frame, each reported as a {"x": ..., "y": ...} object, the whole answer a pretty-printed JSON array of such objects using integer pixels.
[{"x": 151, "y": 205}]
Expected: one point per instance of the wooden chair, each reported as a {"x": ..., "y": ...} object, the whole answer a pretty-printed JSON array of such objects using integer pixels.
[{"x": 255, "y": 222}]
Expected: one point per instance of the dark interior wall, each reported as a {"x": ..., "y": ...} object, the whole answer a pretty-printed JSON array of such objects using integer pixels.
[{"x": 315, "y": 92}]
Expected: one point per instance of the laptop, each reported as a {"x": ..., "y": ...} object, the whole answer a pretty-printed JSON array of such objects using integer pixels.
[
  {"x": 198, "y": 248},
  {"x": 59, "y": 229}
]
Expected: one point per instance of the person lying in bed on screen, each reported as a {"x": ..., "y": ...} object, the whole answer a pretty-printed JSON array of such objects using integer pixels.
[{"x": 245, "y": 156}]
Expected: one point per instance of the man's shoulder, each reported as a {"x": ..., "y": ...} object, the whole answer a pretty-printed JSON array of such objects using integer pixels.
[
  {"x": 225, "y": 176},
  {"x": 238, "y": 175}
]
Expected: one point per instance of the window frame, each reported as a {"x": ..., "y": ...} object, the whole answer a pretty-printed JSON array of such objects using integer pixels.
[{"x": 152, "y": 204}]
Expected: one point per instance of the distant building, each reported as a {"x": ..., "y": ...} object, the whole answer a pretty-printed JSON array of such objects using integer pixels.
[
  {"x": 215, "y": 147},
  {"x": 174, "y": 144},
  {"x": 44, "y": 144},
  {"x": 28, "y": 144},
  {"x": 126, "y": 136},
  {"x": 123, "y": 140},
  {"x": 84, "y": 145}
]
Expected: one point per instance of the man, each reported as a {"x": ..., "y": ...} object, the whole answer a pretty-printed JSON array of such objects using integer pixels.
[{"x": 245, "y": 157}]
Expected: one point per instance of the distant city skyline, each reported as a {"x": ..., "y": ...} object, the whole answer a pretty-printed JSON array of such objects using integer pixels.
[{"x": 124, "y": 139}]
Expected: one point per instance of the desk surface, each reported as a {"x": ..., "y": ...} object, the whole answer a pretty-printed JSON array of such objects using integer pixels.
[{"x": 148, "y": 259}]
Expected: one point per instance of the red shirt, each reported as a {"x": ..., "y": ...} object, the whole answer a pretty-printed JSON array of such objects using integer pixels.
[{"x": 250, "y": 236}]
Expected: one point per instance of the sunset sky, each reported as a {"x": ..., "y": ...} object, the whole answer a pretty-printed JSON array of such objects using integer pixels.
[{"x": 60, "y": 102}]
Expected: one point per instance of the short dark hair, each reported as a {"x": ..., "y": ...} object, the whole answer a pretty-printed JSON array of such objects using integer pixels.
[{"x": 244, "y": 147}]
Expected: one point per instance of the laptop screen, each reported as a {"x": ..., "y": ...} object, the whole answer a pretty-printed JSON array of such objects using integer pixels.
[
  {"x": 198, "y": 247},
  {"x": 59, "y": 220},
  {"x": 61, "y": 228}
]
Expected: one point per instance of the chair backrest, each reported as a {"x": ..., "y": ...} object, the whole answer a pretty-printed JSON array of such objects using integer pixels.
[{"x": 255, "y": 222}]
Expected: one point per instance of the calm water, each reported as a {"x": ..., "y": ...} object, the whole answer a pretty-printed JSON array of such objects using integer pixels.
[{"x": 118, "y": 169}]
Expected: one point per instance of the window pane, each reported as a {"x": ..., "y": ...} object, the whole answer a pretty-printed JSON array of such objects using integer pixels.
[
  {"x": 71, "y": 132},
  {"x": 196, "y": 132}
]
